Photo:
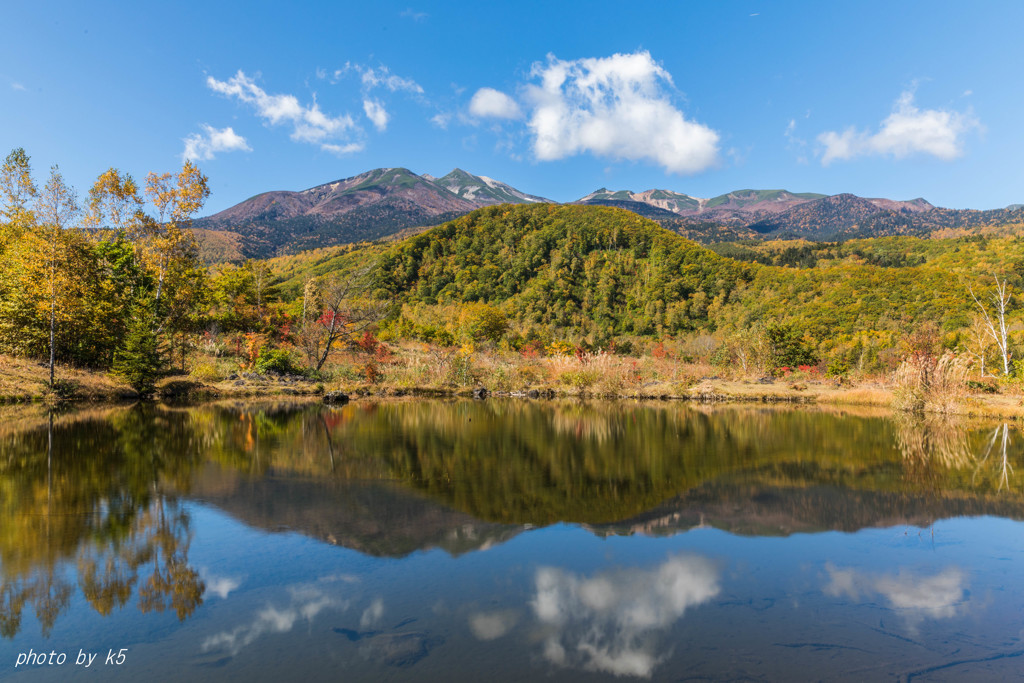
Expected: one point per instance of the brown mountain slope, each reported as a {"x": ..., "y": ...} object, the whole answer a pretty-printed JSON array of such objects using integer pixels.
[{"x": 368, "y": 206}]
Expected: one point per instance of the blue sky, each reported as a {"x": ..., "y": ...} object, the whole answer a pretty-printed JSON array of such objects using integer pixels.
[{"x": 900, "y": 100}]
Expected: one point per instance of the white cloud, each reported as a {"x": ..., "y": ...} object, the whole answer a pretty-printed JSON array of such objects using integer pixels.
[
  {"x": 372, "y": 77},
  {"x": 221, "y": 586},
  {"x": 410, "y": 13},
  {"x": 906, "y": 131},
  {"x": 376, "y": 113},
  {"x": 609, "y": 622},
  {"x": 382, "y": 77},
  {"x": 342, "y": 150},
  {"x": 491, "y": 103},
  {"x": 796, "y": 143},
  {"x": 309, "y": 124},
  {"x": 204, "y": 146},
  {"x": 372, "y": 614},
  {"x": 914, "y": 596},
  {"x": 306, "y": 603},
  {"x": 18, "y": 86},
  {"x": 441, "y": 120},
  {"x": 492, "y": 625},
  {"x": 617, "y": 107}
]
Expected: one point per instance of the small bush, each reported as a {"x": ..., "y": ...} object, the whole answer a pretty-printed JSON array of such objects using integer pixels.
[
  {"x": 837, "y": 367},
  {"x": 579, "y": 379},
  {"x": 276, "y": 360},
  {"x": 503, "y": 378},
  {"x": 611, "y": 384},
  {"x": 140, "y": 360},
  {"x": 983, "y": 387},
  {"x": 207, "y": 372},
  {"x": 561, "y": 348},
  {"x": 460, "y": 371},
  {"x": 373, "y": 373},
  {"x": 65, "y": 388}
]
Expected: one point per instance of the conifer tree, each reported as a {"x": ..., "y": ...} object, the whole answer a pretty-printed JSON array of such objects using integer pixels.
[{"x": 140, "y": 361}]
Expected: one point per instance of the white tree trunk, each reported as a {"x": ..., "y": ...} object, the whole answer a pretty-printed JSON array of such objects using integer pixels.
[{"x": 995, "y": 324}]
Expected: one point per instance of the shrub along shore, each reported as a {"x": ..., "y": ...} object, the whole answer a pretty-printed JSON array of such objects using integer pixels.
[{"x": 439, "y": 373}]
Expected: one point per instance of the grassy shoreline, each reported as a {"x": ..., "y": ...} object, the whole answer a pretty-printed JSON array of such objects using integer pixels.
[{"x": 23, "y": 381}]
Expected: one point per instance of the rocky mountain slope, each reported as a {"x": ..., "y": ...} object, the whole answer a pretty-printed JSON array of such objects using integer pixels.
[
  {"x": 481, "y": 190},
  {"x": 385, "y": 201},
  {"x": 368, "y": 206}
]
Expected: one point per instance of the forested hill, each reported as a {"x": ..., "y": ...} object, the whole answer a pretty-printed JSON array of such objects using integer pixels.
[
  {"x": 602, "y": 271},
  {"x": 597, "y": 275}
]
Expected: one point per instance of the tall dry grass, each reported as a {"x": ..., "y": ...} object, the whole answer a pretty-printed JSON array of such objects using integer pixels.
[{"x": 924, "y": 383}]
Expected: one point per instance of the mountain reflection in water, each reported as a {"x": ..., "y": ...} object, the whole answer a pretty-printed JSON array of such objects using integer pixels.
[{"x": 97, "y": 509}]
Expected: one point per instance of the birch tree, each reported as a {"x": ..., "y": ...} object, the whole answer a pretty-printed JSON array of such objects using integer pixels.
[
  {"x": 995, "y": 320},
  {"x": 115, "y": 203},
  {"x": 177, "y": 198},
  {"x": 980, "y": 341},
  {"x": 17, "y": 189},
  {"x": 56, "y": 210}
]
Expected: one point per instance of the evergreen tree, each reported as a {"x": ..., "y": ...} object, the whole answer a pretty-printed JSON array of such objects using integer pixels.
[{"x": 140, "y": 361}]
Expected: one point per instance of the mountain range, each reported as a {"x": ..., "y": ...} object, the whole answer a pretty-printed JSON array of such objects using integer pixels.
[
  {"x": 369, "y": 206},
  {"x": 386, "y": 201}
]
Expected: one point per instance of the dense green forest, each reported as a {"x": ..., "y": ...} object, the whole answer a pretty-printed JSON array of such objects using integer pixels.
[
  {"x": 596, "y": 274},
  {"x": 593, "y": 271}
]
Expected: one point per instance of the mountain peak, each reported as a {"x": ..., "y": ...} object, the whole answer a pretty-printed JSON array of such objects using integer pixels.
[
  {"x": 483, "y": 191},
  {"x": 370, "y": 205}
]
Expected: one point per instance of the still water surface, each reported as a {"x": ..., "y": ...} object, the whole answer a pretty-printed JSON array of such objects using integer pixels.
[{"x": 508, "y": 541}]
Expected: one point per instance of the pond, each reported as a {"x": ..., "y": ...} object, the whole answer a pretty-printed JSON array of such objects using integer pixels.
[{"x": 507, "y": 541}]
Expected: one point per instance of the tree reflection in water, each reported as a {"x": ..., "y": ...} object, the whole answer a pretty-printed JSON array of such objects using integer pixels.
[
  {"x": 1003, "y": 462},
  {"x": 96, "y": 504},
  {"x": 935, "y": 448},
  {"x": 92, "y": 499}
]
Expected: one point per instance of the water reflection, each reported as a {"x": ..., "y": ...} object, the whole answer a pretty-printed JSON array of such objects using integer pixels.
[
  {"x": 219, "y": 586},
  {"x": 157, "y": 542},
  {"x": 611, "y": 621},
  {"x": 1002, "y": 461},
  {"x": 493, "y": 625},
  {"x": 90, "y": 505},
  {"x": 934, "y": 444},
  {"x": 932, "y": 441},
  {"x": 97, "y": 501},
  {"x": 305, "y": 603},
  {"x": 916, "y": 596}
]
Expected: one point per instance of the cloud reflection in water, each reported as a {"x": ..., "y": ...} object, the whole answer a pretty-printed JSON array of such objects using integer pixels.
[
  {"x": 305, "y": 604},
  {"x": 492, "y": 625},
  {"x": 220, "y": 586},
  {"x": 609, "y": 622},
  {"x": 915, "y": 596}
]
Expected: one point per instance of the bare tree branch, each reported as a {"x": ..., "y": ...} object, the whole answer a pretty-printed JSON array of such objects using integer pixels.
[
  {"x": 995, "y": 324},
  {"x": 347, "y": 307}
]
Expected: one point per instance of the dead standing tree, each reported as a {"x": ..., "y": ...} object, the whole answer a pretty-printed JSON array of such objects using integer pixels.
[
  {"x": 346, "y": 308},
  {"x": 995, "y": 323}
]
